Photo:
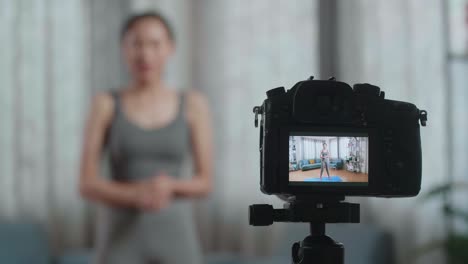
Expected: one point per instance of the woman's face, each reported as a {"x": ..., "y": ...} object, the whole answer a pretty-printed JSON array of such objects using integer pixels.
[
  {"x": 146, "y": 48},
  {"x": 324, "y": 146}
]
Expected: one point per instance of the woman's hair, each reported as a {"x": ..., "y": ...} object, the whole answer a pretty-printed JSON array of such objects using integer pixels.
[
  {"x": 132, "y": 20},
  {"x": 324, "y": 144}
]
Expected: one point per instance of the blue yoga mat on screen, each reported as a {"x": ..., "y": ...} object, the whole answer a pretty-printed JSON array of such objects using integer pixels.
[{"x": 325, "y": 179}]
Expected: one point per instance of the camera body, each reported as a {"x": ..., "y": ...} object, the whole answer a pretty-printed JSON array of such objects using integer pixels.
[{"x": 371, "y": 145}]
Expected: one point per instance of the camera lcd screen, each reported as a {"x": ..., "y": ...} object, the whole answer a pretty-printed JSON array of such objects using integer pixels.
[{"x": 328, "y": 160}]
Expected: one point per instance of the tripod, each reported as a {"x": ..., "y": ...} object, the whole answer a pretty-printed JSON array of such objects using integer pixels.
[{"x": 316, "y": 248}]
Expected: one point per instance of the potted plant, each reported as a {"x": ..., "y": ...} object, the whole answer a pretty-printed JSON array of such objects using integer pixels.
[{"x": 455, "y": 245}]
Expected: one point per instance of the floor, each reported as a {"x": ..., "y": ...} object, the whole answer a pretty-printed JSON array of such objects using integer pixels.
[{"x": 346, "y": 176}]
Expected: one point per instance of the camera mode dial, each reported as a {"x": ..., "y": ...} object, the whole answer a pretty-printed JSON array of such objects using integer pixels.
[
  {"x": 275, "y": 92},
  {"x": 366, "y": 89}
]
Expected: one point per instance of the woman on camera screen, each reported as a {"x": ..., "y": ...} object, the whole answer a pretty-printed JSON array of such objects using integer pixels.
[
  {"x": 147, "y": 128},
  {"x": 324, "y": 156}
]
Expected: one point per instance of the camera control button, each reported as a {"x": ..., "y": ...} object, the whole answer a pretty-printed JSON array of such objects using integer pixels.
[
  {"x": 275, "y": 92},
  {"x": 366, "y": 89}
]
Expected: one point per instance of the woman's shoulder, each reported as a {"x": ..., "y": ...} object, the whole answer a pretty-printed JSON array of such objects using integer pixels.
[
  {"x": 195, "y": 96},
  {"x": 103, "y": 104},
  {"x": 196, "y": 100},
  {"x": 197, "y": 109}
]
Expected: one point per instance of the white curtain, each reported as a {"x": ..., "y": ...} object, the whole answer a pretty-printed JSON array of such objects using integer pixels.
[
  {"x": 343, "y": 146},
  {"x": 333, "y": 147},
  {"x": 54, "y": 55},
  {"x": 318, "y": 148},
  {"x": 398, "y": 45},
  {"x": 42, "y": 97},
  {"x": 299, "y": 148},
  {"x": 309, "y": 148}
]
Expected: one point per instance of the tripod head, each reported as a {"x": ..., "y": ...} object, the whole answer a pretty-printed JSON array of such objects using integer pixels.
[{"x": 316, "y": 248}]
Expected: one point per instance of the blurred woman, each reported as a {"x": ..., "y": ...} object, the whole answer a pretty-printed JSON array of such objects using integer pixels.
[{"x": 148, "y": 127}]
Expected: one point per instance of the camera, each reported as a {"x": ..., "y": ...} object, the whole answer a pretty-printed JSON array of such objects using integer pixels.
[{"x": 324, "y": 138}]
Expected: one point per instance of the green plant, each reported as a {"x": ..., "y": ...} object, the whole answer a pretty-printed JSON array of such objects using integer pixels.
[{"x": 455, "y": 244}]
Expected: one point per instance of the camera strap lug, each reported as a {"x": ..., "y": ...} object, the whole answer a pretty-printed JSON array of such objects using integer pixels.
[
  {"x": 257, "y": 110},
  {"x": 423, "y": 117}
]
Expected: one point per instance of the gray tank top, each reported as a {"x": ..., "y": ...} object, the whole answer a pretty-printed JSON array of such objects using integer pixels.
[
  {"x": 137, "y": 153},
  {"x": 133, "y": 236}
]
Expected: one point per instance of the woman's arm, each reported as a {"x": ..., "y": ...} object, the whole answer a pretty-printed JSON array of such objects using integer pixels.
[
  {"x": 92, "y": 186},
  {"x": 199, "y": 119}
]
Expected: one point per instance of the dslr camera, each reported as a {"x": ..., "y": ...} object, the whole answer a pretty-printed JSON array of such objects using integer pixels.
[
  {"x": 324, "y": 138},
  {"x": 321, "y": 141}
]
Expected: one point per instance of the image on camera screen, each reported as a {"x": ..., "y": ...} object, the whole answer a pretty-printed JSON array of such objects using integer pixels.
[{"x": 328, "y": 160}]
